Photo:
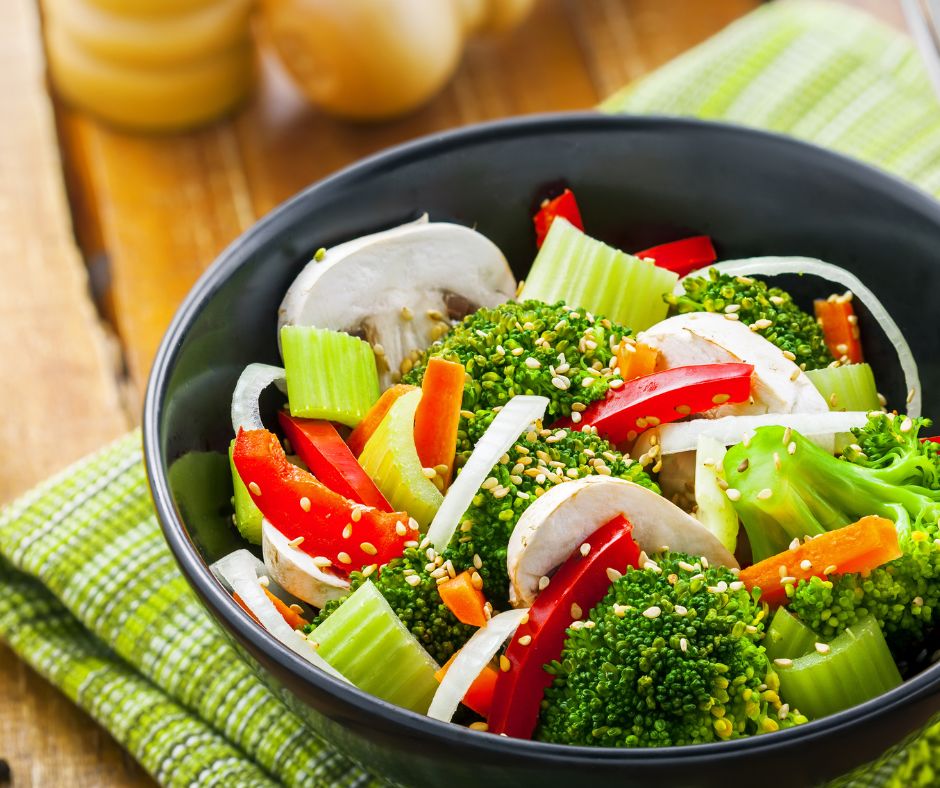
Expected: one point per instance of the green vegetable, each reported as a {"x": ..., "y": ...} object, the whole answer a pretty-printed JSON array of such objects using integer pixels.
[
  {"x": 366, "y": 642},
  {"x": 659, "y": 663},
  {"x": 788, "y": 637},
  {"x": 247, "y": 517},
  {"x": 588, "y": 274},
  {"x": 855, "y": 667},
  {"x": 330, "y": 375},
  {"x": 847, "y": 387},
  {"x": 791, "y": 329},
  {"x": 713, "y": 509}
]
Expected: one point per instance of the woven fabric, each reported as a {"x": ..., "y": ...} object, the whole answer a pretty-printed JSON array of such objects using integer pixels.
[{"x": 91, "y": 597}]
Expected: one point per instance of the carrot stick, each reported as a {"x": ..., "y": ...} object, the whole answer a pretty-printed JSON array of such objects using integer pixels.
[
  {"x": 438, "y": 416},
  {"x": 636, "y": 359},
  {"x": 839, "y": 324},
  {"x": 867, "y": 544},
  {"x": 359, "y": 437},
  {"x": 292, "y": 617},
  {"x": 464, "y": 599},
  {"x": 480, "y": 695}
]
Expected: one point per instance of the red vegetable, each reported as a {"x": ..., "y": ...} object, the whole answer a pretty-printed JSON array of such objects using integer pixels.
[
  {"x": 836, "y": 318},
  {"x": 576, "y": 587},
  {"x": 438, "y": 415},
  {"x": 683, "y": 256},
  {"x": 299, "y": 505},
  {"x": 565, "y": 206},
  {"x": 331, "y": 461},
  {"x": 480, "y": 695},
  {"x": 663, "y": 397},
  {"x": 464, "y": 599}
]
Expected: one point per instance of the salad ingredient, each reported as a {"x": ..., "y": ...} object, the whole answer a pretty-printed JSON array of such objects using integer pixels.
[
  {"x": 464, "y": 599},
  {"x": 768, "y": 311},
  {"x": 839, "y": 323},
  {"x": 566, "y": 515},
  {"x": 391, "y": 459},
  {"x": 360, "y": 435},
  {"x": 853, "y": 668},
  {"x": 471, "y": 660},
  {"x": 254, "y": 379},
  {"x": 297, "y": 572},
  {"x": 848, "y": 387},
  {"x": 416, "y": 602},
  {"x": 859, "y": 547},
  {"x": 786, "y": 487},
  {"x": 328, "y": 457},
  {"x": 588, "y": 274},
  {"x": 636, "y": 359},
  {"x": 788, "y": 637},
  {"x": 330, "y": 375},
  {"x": 398, "y": 288},
  {"x": 298, "y": 505},
  {"x": 779, "y": 386},
  {"x": 683, "y": 256},
  {"x": 664, "y": 396},
  {"x": 511, "y": 421},
  {"x": 565, "y": 206},
  {"x": 479, "y": 697},
  {"x": 530, "y": 348},
  {"x": 578, "y": 585},
  {"x": 367, "y": 642},
  {"x": 713, "y": 509},
  {"x": 670, "y": 656},
  {"x": 247, "y": 517},
  {"x": 438, "y": 416}
]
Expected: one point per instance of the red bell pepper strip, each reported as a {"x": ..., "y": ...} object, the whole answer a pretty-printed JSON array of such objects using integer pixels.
[
  {"x": 579, "y": 583},
  {"x": 299, "y": 505},
  {"x": 330, "y": 460},
  {"x": 664, "y": 397},
  {"x": 683, "y": 256},
  {"x": 565, "y": 206}
]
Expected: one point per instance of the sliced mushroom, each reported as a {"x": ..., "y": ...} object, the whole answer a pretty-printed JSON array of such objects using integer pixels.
[
  {"x": 297, "y": 572},
  {"x": 566, "y": 516},
  {"x": 399, "y": 288}
]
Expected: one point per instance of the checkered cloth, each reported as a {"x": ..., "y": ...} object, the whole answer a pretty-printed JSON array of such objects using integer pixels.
[{"x": 92, "y": 599}]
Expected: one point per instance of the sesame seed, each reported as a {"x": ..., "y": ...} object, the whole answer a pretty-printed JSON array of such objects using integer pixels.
[
  {"x": 321, "y": 561},
  {"x": 742, "y": 467},
  {"x": 736, "y": 585},
  {"x": 652, "y": 612},
  {"x": 524, "y": 640},
  {"x": 296, "y": 542},
  {"x": 763, "y": 323},
  {"x": 733, "y": 494},
  {"x": 344, "y": 558},
  {"x": 787, "y": 580},
  {"x": 906, "y": 426},
  {"x": 822, "y": 648},
  {"x": 356, "y": 514},
  {"x": 319, "y": 254},
  {"x": 544, "y": 580},
  {"x": 789, "y": 356},
  {"x": 615, "y": 383},
  {"x": 791, "y": 447},
  {"x": 680, "y": 610},
  {"x": 406, "y": 313},
  {"x": 830, "y": 570},
  {"x": 731, "y": 316},
  {"x": 918, "y": 601},
  {"x": 368, "y": 548},
  {"x": 476, "y": 581},
  {"x": 764, "y": 494},
  {"x": 504, "y": 663},
  {"x": 255, "y": 489},
  {"x": 264, "y": 581},
  {"x": 783, "y": 711},
  {"x": 429, "y": 473},
  {"x": 576, "y": 611},
  {"x": 787, "y": 434},
  {"x": 685, "y": 410},
  {"x": 533, "y": 363},
  {"x": 910, "y": 396},
  {"x": 400, "y": 528},
  {"x": 683, "y": 645},
  {"x": 780, "y": 662},
  {"x": 305, "y": 503},
  {"x": 413, "y": 580},
  {"x": 347, "y": 531},
  {"x": 806, "y": 564},
  {"x": 585, "y": 549},
  {"x": 613, "y": 575},
  {"x": 795, "y": 374},
  {"x": 517, "y": 351},
  {"x": 295, "y": 608}
]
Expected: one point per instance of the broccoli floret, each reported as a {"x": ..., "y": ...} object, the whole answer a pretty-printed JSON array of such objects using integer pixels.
[
  {"x": 529, "y": 348},
  {"x": 419, "y": 606},
  {"x": 538, "y": 461},
  {"x": 790, "y": 328},
  {"x": 671, "y": 656}
]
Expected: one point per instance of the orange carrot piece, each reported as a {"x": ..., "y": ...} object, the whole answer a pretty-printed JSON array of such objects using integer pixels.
[
  {"x": 292, "y": 617},
  {"x": 479, "y": 697},
  {"x": 636, "y": 359},
  {"x": 438, "y": 416},
  {"x": 867, "y": 544},
  {"x": 360, "y": 435},
  {"x": 464, "y": 599},
  {"x": 836, "y": 317}
]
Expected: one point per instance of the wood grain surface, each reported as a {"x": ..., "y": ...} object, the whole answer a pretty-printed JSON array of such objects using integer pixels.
[{"x": 151, "y": 213}]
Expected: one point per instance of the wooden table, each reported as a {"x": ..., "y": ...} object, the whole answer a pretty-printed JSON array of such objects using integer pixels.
[{"x": 139, "y": 218}]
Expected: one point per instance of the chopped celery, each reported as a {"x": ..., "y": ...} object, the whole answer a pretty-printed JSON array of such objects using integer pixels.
[
  {"x": 788, "y": 637},
  {"x": 713, "y": 508},
  {"x": 588, "y": 274},
  {"x": 247, "y": 515},
  {"x": 847, "y": 388},
  {"x": 855, "y": 667},
  {"x": 330, "y": 375},
  {"x": 391, "y": 459},
  {"x": 368, "y": 644}
]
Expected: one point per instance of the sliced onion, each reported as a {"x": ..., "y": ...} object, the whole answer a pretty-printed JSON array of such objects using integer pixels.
[
  {"x": 471, "y": 659},
  {"x": 775, "y": 266},
  {"x": 254, "y": 379},
  {"x": 514, "y": 419},
  {"x": 238, "y": 570}
]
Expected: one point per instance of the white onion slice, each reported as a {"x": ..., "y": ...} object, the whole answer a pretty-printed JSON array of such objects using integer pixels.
[
  {"x": 775, "y": 266},
  {"x": 514, "y": 419},
  {"x": 470, "y": 661},
  {"x": 296, "y": 571},
  {"x": 238, "y": 569},
  {"x": 254, "y": 379}
]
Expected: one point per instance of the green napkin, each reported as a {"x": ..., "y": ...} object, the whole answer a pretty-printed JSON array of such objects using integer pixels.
[{"x": 92, "y": 599}]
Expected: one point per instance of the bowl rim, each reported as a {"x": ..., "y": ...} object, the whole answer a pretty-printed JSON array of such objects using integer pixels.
[{"x": 411, "y": 723}]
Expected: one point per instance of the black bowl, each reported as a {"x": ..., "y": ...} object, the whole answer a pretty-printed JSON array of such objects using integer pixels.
[{"x": 639, "y": 181}]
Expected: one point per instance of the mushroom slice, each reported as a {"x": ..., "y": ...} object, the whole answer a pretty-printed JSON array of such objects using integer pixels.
[
  {"x": 566, "y": 516},
  {"x": 298, "y": 573},
  {"x": 779, "y": 385},
  {"x": 399, "y": 288}
]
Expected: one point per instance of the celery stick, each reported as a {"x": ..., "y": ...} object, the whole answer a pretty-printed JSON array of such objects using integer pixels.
[
  {"x": 857, "y": 667},
  {"x": 367, "y": 643},
  {"x": 847, "y": 388},
  {"x": 391, "y": 459},
  {"x": 788, "y": 637},
  {"x": 588, "y": 274},
  {"x": 330, "y": 375},
  {"x": 713, "y": 509},
  {"x": 247, "y": 515}
]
